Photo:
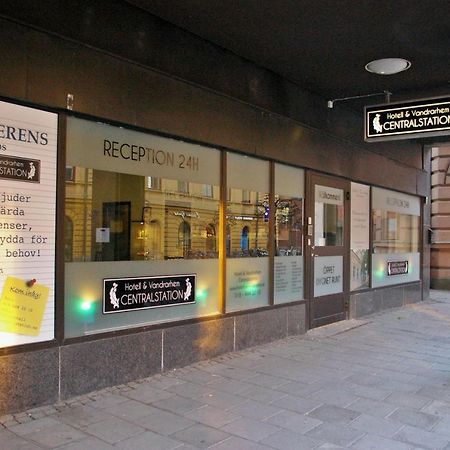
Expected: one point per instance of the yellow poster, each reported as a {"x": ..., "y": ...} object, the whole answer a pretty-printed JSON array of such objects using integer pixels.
[{"x": 22, "y": 306}]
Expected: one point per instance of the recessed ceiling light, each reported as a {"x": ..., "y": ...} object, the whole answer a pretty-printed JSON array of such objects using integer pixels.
[{"x": 388, "y": 66}]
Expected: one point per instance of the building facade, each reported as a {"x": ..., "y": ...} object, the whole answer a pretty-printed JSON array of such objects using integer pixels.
[
  {"x": 165, "y": 201},
  {"x": 440, "y": 220}
]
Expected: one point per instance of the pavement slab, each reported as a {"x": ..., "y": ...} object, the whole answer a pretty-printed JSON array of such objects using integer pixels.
[{"x": 381, "y": 383}]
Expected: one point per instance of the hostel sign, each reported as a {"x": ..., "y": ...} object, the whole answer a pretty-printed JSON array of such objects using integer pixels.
[
  {"x": 129, "y": 294},
  {"x": 397, "y": 268},
  {"x": 416, "y": 119}
]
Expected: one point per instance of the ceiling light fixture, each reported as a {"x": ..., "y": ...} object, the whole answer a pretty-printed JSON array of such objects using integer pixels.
[{"x": 388, "y": 66}]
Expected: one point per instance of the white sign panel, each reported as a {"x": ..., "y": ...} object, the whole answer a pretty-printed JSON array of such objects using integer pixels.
[
  {"x": 247, "y": 283},
  {"x": 360, "y": 217},
  {"x": 395, "y": 268},
  {"x": 288, "y": 278},
  {"x": 28, "y": 148},
  {"x": 328, "y": 275}
]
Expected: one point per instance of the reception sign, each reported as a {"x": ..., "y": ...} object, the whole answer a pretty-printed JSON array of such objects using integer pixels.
[
  {"x": 409, "y": 120},
  {"x": 28, "y": 143}
]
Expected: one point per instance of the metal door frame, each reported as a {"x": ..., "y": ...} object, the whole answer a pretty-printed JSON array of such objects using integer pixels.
[{"x": 341, "y": 300}]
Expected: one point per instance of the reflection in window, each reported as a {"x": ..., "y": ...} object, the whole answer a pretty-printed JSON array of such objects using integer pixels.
[
  {"x": 329, "y": 224},
  {"x": 70, "y": 173},
  {"x": 246, "y": 196},
  {"x": 68, "y": 239},
  {"x": 393, "y": 232},
  {"x": 288, "y": 226},
  {"x": 126, "y": 217},
  {"x": 210, "y": 238},
  {"x": 183, "y": 186},
  {"x": 153, "y": 183},
  {"x": 184, "y": 238},
  {"x": 247, "y": 225},
  {"x": 207, "y": 190},
  {"x": 147, "y": 241},
  {"x": 244, "y": 239}
]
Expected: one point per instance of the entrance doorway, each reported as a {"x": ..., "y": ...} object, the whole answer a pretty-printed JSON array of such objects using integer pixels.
[{"x": 327, "y": 248}]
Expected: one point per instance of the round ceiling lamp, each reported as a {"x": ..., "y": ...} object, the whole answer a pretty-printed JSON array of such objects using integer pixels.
[{"x": 388, "y": 66}]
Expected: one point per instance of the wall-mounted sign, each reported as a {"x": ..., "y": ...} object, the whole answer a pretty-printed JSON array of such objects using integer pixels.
[
  {"x": 409, "y": 120},
  {"x": 397, "y": 267},
  {"x": 28, "y": 142},
  {"x": 129, "y": 294}
]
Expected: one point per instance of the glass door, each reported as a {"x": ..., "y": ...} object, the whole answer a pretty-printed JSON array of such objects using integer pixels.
[{"x": 327, "y": 248}]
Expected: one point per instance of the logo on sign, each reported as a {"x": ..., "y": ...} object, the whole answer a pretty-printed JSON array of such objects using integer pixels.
[
  {"x": 397, "y": 268},
  {"x": 127, "y": 294},
  {"x": 20, "y": 169},
  {"x": 377, "y": 124}
]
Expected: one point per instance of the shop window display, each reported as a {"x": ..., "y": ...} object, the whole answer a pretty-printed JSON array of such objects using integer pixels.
[
  {"x": 395, "y": 237},
  {"x": 143, "y": 208}
]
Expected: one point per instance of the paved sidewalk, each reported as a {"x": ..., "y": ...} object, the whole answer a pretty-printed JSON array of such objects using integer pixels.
[{"x": 382, "y": 383}]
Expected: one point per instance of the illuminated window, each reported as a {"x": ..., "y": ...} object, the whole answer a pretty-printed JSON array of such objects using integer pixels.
[{"x": 155, "y": 217}]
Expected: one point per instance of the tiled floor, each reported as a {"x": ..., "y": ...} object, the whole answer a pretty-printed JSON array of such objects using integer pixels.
[{"x": 382, "y": 383}]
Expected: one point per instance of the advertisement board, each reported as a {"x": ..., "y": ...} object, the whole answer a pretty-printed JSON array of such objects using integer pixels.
[{"x": 28, "y": 151}]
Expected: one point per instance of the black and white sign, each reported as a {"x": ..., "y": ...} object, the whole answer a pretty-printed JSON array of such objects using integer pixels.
[
  {"x": 397, "y": 267},
  {"x": 129, "y": 294},
  {"x": 20, "y": 169},
  {"x": 407, "y": 120}
]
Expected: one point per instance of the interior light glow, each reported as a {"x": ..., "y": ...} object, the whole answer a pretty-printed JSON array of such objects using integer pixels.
[
  {"x": 201, "y": 294},
  {"x": 86, "y": 305}
]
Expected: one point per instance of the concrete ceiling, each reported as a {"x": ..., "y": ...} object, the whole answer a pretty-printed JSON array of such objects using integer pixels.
[{"x": 323, "y": 45}]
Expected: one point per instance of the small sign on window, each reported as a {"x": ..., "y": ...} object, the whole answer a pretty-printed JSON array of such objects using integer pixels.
[
  {"x": 130, "y": 294},
  {"x": 397, "y": 267}
]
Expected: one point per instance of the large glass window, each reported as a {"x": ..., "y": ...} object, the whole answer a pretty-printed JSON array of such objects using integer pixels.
[
  {"x": 395, "y": 237},
  {"x": 247, "y": 232},
  {"x": 118, "y": 218},
  {"x": 288, "y": 265},
  {"x": 139, "y": 215}
]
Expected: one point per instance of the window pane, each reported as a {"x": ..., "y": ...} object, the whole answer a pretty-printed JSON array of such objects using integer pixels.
[
  {"x": 248, "y": 224},
  {"x": 115, "y": 217},
  {"x": 136, "y": 212},
  {"x": 395, "y": 237},
  {"x": 329, "y": 216},
  {"x": 247, "y": 232},
  {"x": 288, "y": 226},
  {"x": 288, "y": 264},
  {"x": 394, "y": 232}
]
